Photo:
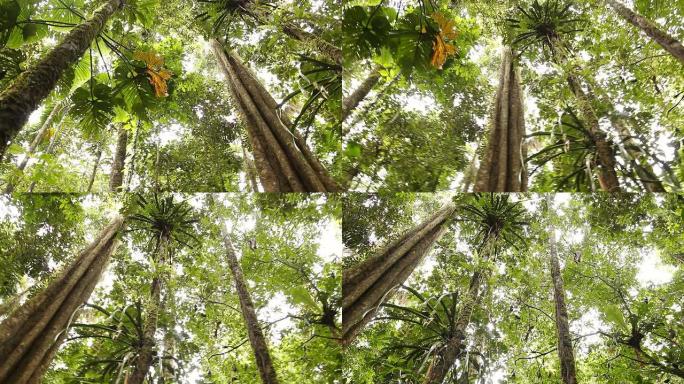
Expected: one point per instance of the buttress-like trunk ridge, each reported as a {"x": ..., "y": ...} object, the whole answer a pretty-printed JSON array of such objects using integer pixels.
[
  {"x": 502, "y": 167},
  {"x": 367, "y": 285},
  {"x": 282, "y": 158},
  {"x": 32, "y": 334}
]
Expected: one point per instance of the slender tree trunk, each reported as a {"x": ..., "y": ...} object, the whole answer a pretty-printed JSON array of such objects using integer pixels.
[
  {"x": 146, "y": 351},
  {"x": 38, "y": 139},
  {"x": 354, "y": 99},
  {"x": 565, "y": 351},
  {"x": 50, "y": 149},
  {"x": 370, "y": 107},
  {"x": 455, "y": 346},
  {"x": 606, "y": 157},
  {"x": 256, "y": 337},
  {"x": 329, "y": 50},
  {"x": 638, "y": 158},
  {"x": 117, "y": 173},
  {"x": 31, "y": 335},
  {"x": 367, "y": 285},
  {"x": 98, "y": 156},
  {"x": 32, "y": 86},
  {"x": 283, "y": 159},
  {"x": 669, "y": 43},
  {"x": 502, "y": 168},
  {"x": 250, "y": 171}
]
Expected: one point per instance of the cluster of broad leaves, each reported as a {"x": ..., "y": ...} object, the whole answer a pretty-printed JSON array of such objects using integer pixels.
[
  {"x": 288, "y": 247},
  {"x": 422, "y": 125},
  {"x": 621, "y": 259},
  {"x": 151, "y": 72}
]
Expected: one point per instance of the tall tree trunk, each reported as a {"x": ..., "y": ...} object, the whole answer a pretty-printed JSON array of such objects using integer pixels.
[
  {"x": 669, "y": 43},
  {"x": 50, "y": 149},
  {"x": 565, "y": 352},
  {"x": 146, "y": 351},
  {"x": 32, "y": 86},
  {"x": 250, "y": 170},
  {"x": 502, "y": 168},
  {"x": 32, "y": 334},
  {"x": 324, "y": 47},
  {"x": 117, "y": 173},
  {"x": 40, "y": 135},
  {"x": 447, "y": 355},
  {"x": 604, "y": 152},
  {"x": 354, "y": 99},
  {"x": 367, "y": 285},
  {"x": 283, "y": 159},
  {"x": 371, "y": 107},
  {"x": 256, "y": 337},
  {"x": 91, "y": 181},
  {"x": 637, "y": 157}
]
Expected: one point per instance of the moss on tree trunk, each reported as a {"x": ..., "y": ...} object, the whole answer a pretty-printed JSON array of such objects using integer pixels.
[{"x": 34, "y": 85}]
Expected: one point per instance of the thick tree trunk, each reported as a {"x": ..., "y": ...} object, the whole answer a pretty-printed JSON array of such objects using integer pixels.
[
  {"x": 327, "y": 49},
  {"x": 283, "y": 159},
  {"x": 32, "y": 86},
  {"x": 446, "y": 357},
  {"x": 91, "y": 181},
  {"x": 146, "y": 351},
  {"x": 117, "y": 173},
  {"x": 638, "y": 158},
  {"x": 32, "y": 334},
  {"x": 367, "y": 285},
  {"x": 669, "y": 43},
  {"x": 256, "y": 337},
  {"x": 565, "y": 351},
  {"x": 502, "y": 168},
  {"x": 354, "y": 99}
]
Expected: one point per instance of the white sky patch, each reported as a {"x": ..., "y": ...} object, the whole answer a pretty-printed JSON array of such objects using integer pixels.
[{"x": 653, "y": 271}]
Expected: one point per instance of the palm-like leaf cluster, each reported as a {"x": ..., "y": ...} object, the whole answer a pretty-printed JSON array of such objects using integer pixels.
[
  {"x": 435, "y": 315},
  {"x": 572, "y": 142},
  {"x": 495, "y": 218},
  {"x": 163, "y": 218},
  {"x": 224, "y": 12},
  {"x": 117, "y": 338},
  {"x": 544, "y": 23}
]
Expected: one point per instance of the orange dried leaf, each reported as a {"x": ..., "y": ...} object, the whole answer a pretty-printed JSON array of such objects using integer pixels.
[
  {"x": 158, "y": 81},
  {"x": 447, "y": 27},
  {"x": 152, "y": 59},
  {"x": 441, "y": 51}
]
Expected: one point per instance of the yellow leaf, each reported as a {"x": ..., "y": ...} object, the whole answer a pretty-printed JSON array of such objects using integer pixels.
[
  {"x": 446, "y": 27},
  {"x": 152, "y": 59},
  {"x": 441, "y": 51},
  {"x": 158, "y": 80}
]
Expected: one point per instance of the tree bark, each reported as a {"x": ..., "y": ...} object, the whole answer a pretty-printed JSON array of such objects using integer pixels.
[
  {"x": 566, "y": 354},
  {"x": 250, "y": 170},
  {"x": 32, "y": 334},
  {"x": 448, "y": 354},
  {"x": 91, "y": 181},
  {"x": 256, "y": 337},
  {"x": 604, "y": 152},
  {"x": 117, "y": 173},
  {"x": 34, "y": 85},
  {"x": 329, "y": 50},
  {"x": 146, "y": 351},
  {"x": 669, "y": 43},
  {"x": 282, "y": 157},
  {"x": 502, "y": 168},
  {"x": 367, "y": 285},
  {"x": 354, "y": 99}
]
